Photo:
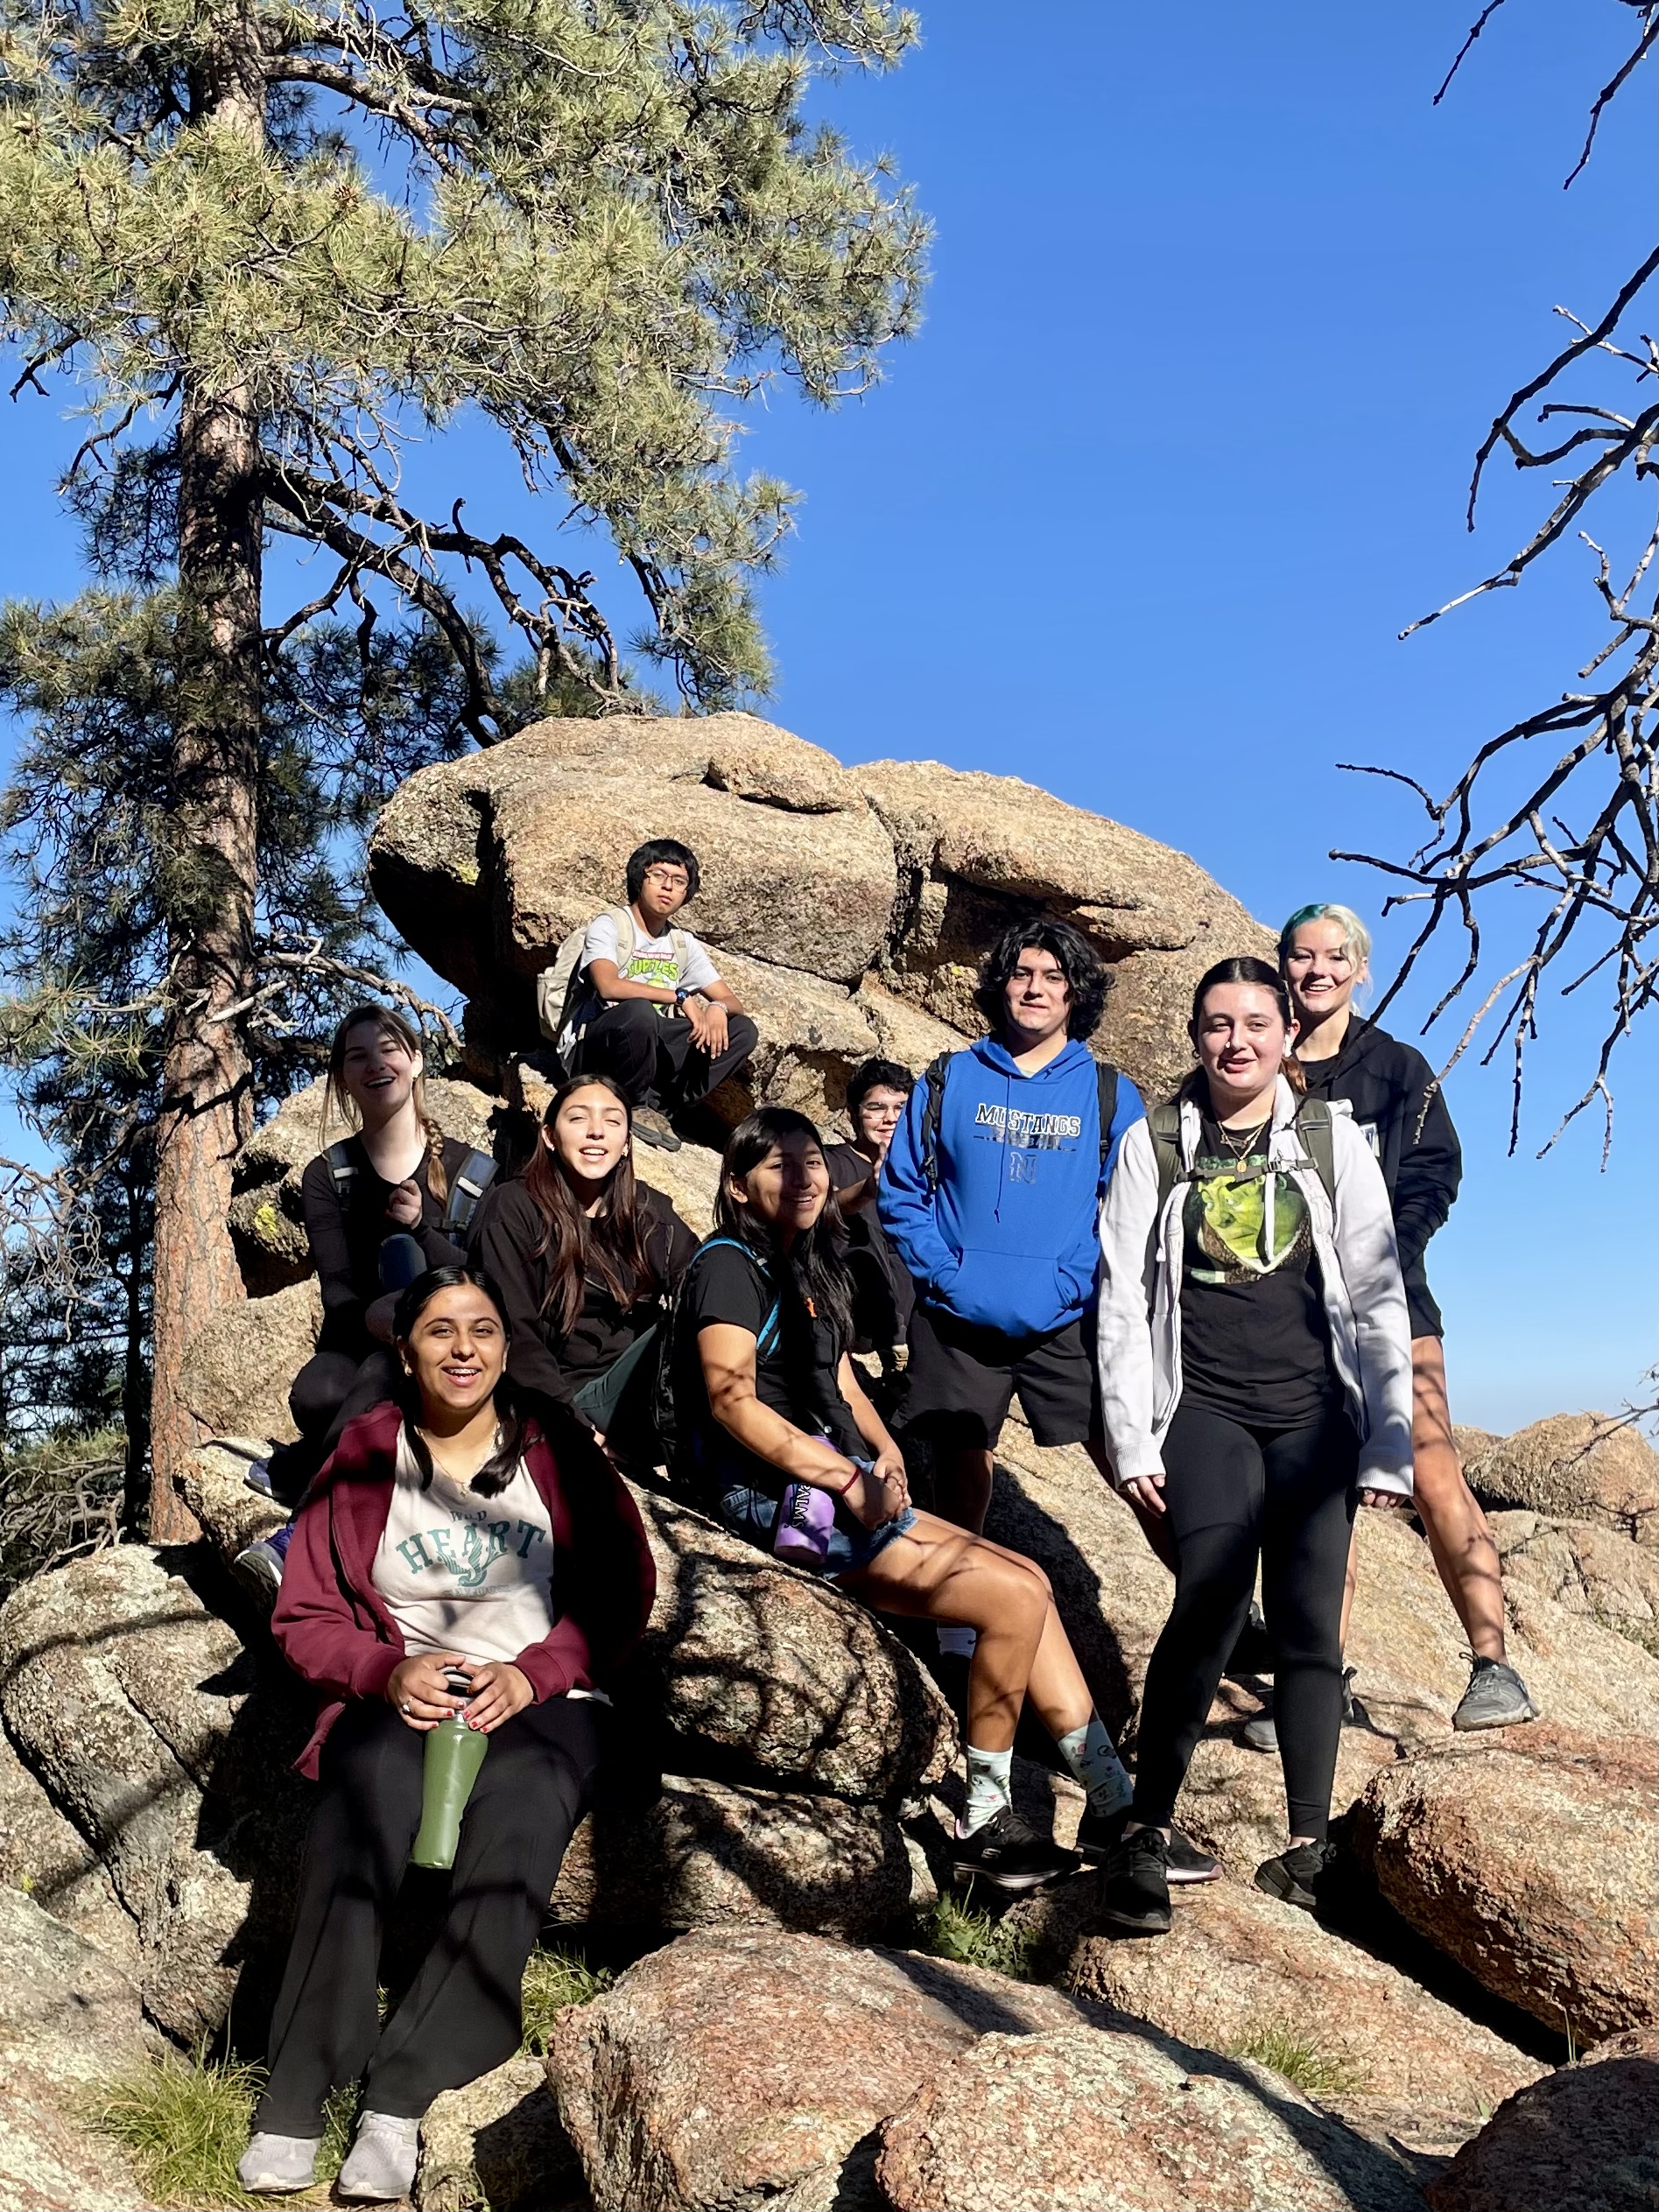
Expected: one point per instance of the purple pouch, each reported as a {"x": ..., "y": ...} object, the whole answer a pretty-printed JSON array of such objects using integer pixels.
[{"x": 805, "y": 1519}]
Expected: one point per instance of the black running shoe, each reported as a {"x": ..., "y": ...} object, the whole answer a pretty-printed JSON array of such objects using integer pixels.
[
  {"x": 1185, "y": 1861},
  {"x": 1007, "y": 1851},
  {"x": 1299, "y": 1877},
  {"x": 1136, "y": 1894}
]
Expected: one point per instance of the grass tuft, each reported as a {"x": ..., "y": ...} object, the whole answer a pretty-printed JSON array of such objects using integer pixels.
[
  {"x": 183, "y": 2122},
  {"x": 1315, "y": 2072},
  {"x": 553, "y": 1979},
  {"x": 955, "y": 1930}
]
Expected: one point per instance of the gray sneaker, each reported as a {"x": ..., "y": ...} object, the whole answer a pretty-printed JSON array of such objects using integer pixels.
[
  {"x": 1496, "y": 1697},
  {"x": 380, "y": 2166},
  {"x": 272, "y": 2165},
  {"x": 1261, "y": 1733}
]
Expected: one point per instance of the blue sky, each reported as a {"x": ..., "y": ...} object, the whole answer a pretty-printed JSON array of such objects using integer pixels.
[{"x": 1221, "y": 306}]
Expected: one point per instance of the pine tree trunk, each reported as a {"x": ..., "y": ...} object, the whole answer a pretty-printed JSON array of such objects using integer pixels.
[{"x": 206, "y": 1107}]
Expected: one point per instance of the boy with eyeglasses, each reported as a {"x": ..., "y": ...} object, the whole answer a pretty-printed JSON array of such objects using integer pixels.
[{"x": 650, "y": 1009}]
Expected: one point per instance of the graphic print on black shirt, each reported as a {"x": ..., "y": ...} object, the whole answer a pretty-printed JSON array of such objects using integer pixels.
[{"x": 1255, "y": 1343}]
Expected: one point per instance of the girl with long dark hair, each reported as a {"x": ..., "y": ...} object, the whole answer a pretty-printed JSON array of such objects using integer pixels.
[
  {"x": 458, "y": 1554},
  {"x": 1256, "y": 1384},
  {"x": 777, "y": 1437},
  {"x": 585, "y": 1255}
]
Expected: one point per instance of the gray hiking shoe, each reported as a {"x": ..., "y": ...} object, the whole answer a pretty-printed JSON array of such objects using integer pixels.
[
  {"x": 1261, "y": 1733},
  {"x": 272, "y": 2165},
  {"x": 653, "y": 1127},
  {"x": 380, "y": 2166},
  {"x": 1496, "y": 1697}
]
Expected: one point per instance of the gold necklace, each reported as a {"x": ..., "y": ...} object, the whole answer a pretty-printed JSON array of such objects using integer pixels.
[
  {"x": 1240, "y": 1151},
  {"x": 447, "y": 1473}
]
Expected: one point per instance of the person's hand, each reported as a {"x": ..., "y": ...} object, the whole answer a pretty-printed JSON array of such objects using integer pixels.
[
  {"x": 1146, "y": 1490},
  {"x": 499, "y": 1691},
  {"x": 889, "y": 1465},
  {"x": 403, "y": 1206},
  {"x": 418, "y": 1691},
  {"x": 1387, "y": 1501},
  {"x": 873, "y": 1497},
  {"x": 709, "y": 1031}
]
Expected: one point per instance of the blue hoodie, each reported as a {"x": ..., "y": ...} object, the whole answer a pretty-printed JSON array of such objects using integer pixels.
[{"x": 1009, "y": 1240}]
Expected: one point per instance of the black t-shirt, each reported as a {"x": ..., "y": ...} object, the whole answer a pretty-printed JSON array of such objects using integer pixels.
[
  {"x": 794, "y": 1366},
  {"x": 883, "y": 1295},
  {"x": 1255, "y": 1343},
  {"x": 345, "y": 1234}
]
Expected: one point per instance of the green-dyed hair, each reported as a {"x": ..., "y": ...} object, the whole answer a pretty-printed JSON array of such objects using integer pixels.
[{"x": 1355, "y": 936}]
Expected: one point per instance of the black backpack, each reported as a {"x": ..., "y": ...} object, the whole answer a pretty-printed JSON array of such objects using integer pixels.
[
  {"x": 1106, "y": 1079},
  {"x": 467, "y": 1186},
  {"x": 1312, "y": 1124}
]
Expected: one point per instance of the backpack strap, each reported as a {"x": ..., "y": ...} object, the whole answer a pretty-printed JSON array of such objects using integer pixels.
[
  {"x": 1164, "y": 1121},
  {"x": 467, "y": 1187},
  {"x": 1312, "y": 1124},
  {"x": 932, "y": 1114},
  {"x": 1106, "y": 1085},
  {"x": 343, "y": 1167},
  {"x": 769, "y": 1328}
]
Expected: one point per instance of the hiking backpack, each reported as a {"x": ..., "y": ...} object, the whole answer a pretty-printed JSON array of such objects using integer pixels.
[
  {"x": 561, "y": 988},
  {"x": 1312, "y": 1126},
  {"x": 467, "y": 1186},
  {"x": 1106, "y": 1082}
]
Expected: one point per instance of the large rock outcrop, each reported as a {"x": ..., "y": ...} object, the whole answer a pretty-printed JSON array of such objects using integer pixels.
[
  {"x": 1586, "y": 2136},
  {"x": 754, "y": 2068},
  {"x": 835, "y": 896},
  {"x": 1574, "y": 1466},
  {"x": 70, "y": 2025},
  {"x": 1531, "y": 1861},
  {"x": 1090, "y": 2120},
  {"x": 1584, "y": 1568}
]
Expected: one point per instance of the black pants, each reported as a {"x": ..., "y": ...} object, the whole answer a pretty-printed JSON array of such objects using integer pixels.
[
  {"x": 332, "y": 1388},
  {"x": 462, "y": 2015},
  {"x": 652, "y": 1055},
  {"x": 1234, "y": 1493}
]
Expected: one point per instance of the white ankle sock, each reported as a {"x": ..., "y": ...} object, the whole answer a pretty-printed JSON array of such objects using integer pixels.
[
  {"x": 990, "y": 1787},
  {"x": 1091, "y": 1756},
  {"x": 957, "y": 1643}
]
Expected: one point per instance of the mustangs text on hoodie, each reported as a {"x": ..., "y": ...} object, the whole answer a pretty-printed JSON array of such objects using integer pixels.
[{"x": 1007, "y": 1240}]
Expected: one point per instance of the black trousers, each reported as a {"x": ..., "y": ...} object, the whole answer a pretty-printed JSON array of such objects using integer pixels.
[
  {"x": 332, "y": 1388},
  {"x": 462, "y": 2015},
  {"x": 1236, "y": 1494},
  {"x": 652, "y": 1055}
]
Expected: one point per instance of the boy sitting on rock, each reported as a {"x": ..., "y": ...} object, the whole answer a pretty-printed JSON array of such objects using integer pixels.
[{"x": 644, "y": 1004}]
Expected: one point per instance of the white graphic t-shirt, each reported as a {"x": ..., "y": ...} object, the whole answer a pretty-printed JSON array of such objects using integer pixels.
[
  {"x": 459, "y": 1572},
  {"x": 674, "y": 960}
]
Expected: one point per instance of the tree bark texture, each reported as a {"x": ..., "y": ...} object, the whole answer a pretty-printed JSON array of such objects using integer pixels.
[{"x": 207, "y": 1106}]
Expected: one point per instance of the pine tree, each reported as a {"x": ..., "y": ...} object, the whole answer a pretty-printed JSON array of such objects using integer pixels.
[{"x": 292, "y": 237}]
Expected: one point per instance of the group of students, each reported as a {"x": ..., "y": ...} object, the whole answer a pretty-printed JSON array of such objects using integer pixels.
[{"x": 1223, "y": 1301}]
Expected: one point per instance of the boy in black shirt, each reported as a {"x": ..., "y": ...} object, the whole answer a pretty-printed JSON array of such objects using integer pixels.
[{"x": 883, "y": 1292}]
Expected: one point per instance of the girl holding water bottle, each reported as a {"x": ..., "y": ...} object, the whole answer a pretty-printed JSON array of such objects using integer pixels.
[
  {"x": 777, "y": 1438},
  {"x": 456, "y": 1556}
]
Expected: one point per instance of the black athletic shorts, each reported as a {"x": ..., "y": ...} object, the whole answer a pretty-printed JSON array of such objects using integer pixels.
[
  {"x": 962, "y": 1381},
  {"x": 1419, "y": 1304}
]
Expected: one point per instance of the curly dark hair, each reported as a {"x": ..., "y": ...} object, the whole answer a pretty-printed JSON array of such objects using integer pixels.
[{"x": 1085, "y": 977}]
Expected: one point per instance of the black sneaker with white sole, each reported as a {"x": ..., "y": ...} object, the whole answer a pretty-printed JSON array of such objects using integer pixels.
[
  {"x": 1183, "y": 1860},
  {"x": 1006, "y": 1850},
  {"x": 1299, "y": 1876},
  {"x": 1136, "y": 1892}
]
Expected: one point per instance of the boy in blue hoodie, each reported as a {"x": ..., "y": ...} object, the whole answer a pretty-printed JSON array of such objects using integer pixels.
[{"x": 994, "y": 1214}]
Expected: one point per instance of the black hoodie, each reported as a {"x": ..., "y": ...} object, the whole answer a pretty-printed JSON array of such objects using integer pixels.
[{"x": 1387, "y": 1084}]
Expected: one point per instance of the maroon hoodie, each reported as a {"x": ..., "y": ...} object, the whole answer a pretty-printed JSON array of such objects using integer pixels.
[{"x": 333, "y": 1627}]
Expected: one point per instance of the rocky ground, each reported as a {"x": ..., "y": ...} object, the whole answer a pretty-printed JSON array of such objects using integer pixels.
[{"x": 775, "y": 2035}]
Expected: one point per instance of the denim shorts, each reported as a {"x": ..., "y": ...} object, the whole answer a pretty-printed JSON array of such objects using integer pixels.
[{"x": 752, "y": 1515}]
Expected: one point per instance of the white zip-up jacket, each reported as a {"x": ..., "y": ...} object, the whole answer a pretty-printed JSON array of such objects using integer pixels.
[{"x": 1140, "y": 1353}]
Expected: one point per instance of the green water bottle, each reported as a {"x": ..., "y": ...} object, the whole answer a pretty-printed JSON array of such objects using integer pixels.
[{"x": 454, "y": 1754}]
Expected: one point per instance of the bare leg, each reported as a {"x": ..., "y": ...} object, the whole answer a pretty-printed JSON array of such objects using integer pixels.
[
  {"x": 1349, "y": 1581},
  {"x": 939, "y": 1572},
  {"x": 1451, "y": 1517},
  {"x": 962, "y": 1488}
]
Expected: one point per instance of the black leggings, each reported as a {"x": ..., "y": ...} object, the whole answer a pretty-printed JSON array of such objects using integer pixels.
[
  {"x": 1234, "y": 1493},
  {"x": 461, "y": 2016},
  {"x": 652, "y": 1055},
  {"x": 332, "y": 1388}
]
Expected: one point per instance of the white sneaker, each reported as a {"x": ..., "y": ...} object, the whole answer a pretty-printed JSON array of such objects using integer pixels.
[
  {"x": 380, "y": 2166},
  {"x": 272, "y": 2165}
]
